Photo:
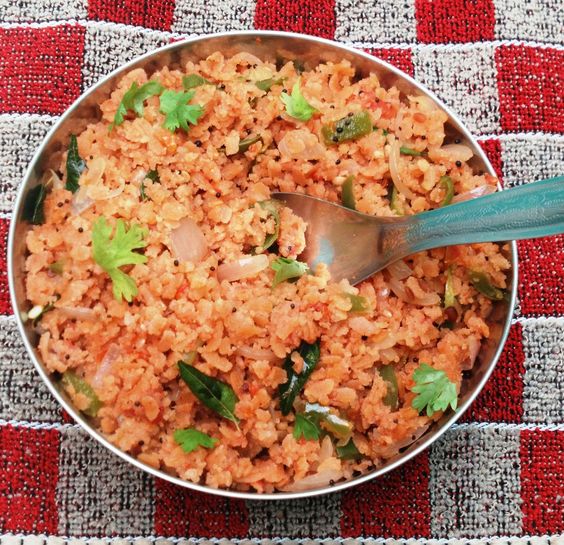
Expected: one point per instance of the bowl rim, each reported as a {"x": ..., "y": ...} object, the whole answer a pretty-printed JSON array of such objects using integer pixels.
[{"x": 85, "y": 425}]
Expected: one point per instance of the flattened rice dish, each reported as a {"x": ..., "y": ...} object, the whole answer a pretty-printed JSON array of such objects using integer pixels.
[{"x": 170, "y": 300}]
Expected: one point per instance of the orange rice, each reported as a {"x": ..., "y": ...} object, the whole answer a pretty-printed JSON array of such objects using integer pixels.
[{"x": 242, "y": 330}]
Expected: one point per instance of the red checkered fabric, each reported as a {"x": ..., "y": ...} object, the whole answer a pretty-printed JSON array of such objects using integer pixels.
[{"x": 498, "y": 475}]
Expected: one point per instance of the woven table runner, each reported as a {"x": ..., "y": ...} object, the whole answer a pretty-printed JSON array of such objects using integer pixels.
[{"x": 497, "y": 476}]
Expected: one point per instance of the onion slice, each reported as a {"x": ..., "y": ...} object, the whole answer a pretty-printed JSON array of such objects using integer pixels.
[
  {"x": 242, "y": 268},
  {"x": 80, "y": 202},
  {"x": 257, "y": 353},
  {"x": 411, "y": 438},
  {"x": 188, "y": 241},
  {"x": 474, "y": 346},
  {"x": 394, "y": 161},
  {"x": 51, "y": 177},
  {"x": 457, "y": 152},
  {"x": 244, "y": 58},
  {"x": 327, "y": 449},
  {"x": 479, "y": 191},
  {"x": 105, "y": 367},
  {"x": 79, "y": 313},
  {"x": 318, "y": 480},
  {"x": 403, "y": 293},
  {"x": 399, "y": 269}
]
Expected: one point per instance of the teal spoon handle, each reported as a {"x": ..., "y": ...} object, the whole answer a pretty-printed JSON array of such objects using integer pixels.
[{"x": 527, "y": 211}]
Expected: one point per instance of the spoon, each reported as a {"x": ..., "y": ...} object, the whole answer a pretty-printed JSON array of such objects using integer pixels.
[{"x": 355, "y": 245}]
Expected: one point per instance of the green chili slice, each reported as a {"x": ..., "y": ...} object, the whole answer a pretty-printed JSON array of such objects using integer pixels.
[
  {"x": 190, "y": 357},
  {"x": 482, "y": 283},
  {"x": 266, "y": 84},
  {"x": 80, "y": 386},
  {"x": 351, "y": 127},
  {"x": 246, "y": 143},
  {"x": 333, "y": 423},
  {"x": 272, "y": 207},
  {"x": 358, "y": 302},
  {"x": 194, "y": 80},
  {"x": 347, "y": 194},
  {"x": 388, "y": 374},
  {"x": 395, "y": 203},
  {"x": 348, "y": 451},
  {"x": 408, "y": 151},
  {"x": 448, "y": 186},
  {"x": 450, "y": 297},
  {"x": 56, "y": 267}
]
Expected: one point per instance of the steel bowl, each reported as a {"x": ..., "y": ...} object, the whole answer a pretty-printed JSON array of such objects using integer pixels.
[{"x": 269, "y": 46}]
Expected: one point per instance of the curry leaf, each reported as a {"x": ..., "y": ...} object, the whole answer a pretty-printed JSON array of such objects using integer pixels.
[
  {"x": 152, "y": 175},
  {"x": 75, "y": 165},
  {"x": 212, "y": 392},
  {"x": 34, "y": 205},
  {"x": 296, "y": 381}
]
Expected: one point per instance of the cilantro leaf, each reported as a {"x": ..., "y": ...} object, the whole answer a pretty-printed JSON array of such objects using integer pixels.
[
  {"x": 435, "y": 391},
  {"x": 134, "y": 99},
  {"x": 286, "y": 269},
  {"x": 296, "y": 105},
  {"x": 190, "y": 439},
  {"x": 75, "y": 166},
  {"x": 177, "y": 110},
  {"x": 112, "y": 253},
  {"x": 305, "y": 427}
]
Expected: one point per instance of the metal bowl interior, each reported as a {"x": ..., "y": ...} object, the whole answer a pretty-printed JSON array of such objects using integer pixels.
[{"x": 269, "y": 46}]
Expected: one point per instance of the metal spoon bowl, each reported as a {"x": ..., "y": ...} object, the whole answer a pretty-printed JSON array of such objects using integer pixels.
[{"x": 355, "y": 245}]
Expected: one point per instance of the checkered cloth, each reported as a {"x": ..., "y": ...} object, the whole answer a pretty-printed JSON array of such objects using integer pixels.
[{"x": 500, "y": 472}]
